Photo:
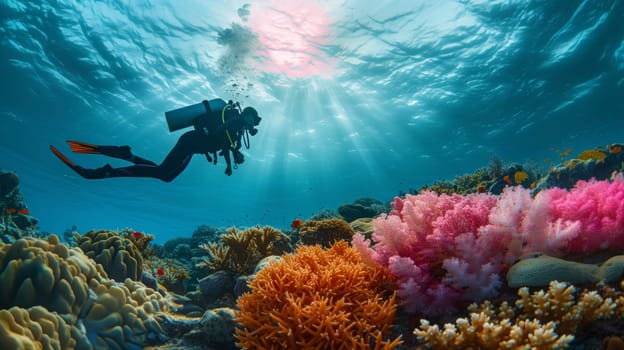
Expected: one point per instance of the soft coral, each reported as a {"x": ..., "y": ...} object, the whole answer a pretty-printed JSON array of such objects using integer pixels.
[
  {"x": 598, "y": 207},
  {"x": 444, "y": 249}
]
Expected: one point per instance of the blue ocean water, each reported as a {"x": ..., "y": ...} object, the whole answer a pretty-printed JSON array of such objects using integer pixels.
[{"x": 358, "y": 99}]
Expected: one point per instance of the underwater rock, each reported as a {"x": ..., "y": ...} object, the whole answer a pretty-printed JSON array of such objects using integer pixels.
[
  {"x": 265, "y": 262},
  {"x": 24, "y": 221},
  {"x": 612, "y": 269},
  {"x": 241, "y": 286},
  {"x": 16, "y": 221},
  {"x": 8, "y": 182},
  {"x": 149, "y": 280},
  {"x": 218, "y": 326},
  {"x": 361, "y": 208},
  {"x": 539, "y": 270},
  {"x": 216, "y": 284},
  {"x": 213, "y": 329}
]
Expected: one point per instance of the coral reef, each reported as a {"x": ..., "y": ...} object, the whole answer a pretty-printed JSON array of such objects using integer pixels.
[
  {"x": 240, "y": 251},
  {"x": 324, "y": 232},
  {"x": 205, "y": 234},
  {"x": 119, "y": 256},
  {"x": 447, "y": 249},
  {"x": 325, "y": 214},
  {"x": 597, "y": 163},
  {"x": 171, "y": 273},
  {"x": 44, "y": 276},
  {"x": 8, "y": 182},
  {"x": 361, "y": 208},
  {"x": 15, "y": 218},
  {"x": 141, "y": 241},
  {"x": 539, "y": 320},
  {"x": 317, "y": 298}
]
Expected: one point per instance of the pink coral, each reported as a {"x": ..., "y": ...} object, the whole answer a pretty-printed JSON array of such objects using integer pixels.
[
  {"x": 413, "y": 243},
  {"x": 444, "y": 249},
  {"x": 598, "y": 207}
]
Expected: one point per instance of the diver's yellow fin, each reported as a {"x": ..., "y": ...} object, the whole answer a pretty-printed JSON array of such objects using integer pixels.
[
  {"x": 83, "y": 147},
  {"x": 62, "y": 157}
]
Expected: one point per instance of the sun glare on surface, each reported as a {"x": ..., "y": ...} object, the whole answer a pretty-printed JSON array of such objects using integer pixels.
[{"x": 291, "y": 35}]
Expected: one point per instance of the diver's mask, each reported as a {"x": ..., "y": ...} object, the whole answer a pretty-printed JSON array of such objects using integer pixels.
[{"x": 251, "y": 119}]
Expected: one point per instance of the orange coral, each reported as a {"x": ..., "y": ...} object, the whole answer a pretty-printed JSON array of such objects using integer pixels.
[{"x": 318, "y": 299}]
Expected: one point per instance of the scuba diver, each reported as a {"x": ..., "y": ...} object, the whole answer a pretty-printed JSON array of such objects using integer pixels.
[{"x": 218, "y": 127}]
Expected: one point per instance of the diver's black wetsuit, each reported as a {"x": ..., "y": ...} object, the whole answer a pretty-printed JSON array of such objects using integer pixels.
[{"x": 208, "y": 137}]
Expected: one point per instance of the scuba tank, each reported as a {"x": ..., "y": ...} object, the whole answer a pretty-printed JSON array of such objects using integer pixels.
[{"x": 183, "y": 117}]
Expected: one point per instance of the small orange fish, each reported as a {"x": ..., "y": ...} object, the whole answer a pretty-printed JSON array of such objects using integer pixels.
[
  {"x": 296, "y": 223},
  {"x": 24, "y": 211},
  {"x": 532, "y": 185},
  {"x": 616, "y": 149},
  {"x": 507, "y": 179},
  {"x": 11, "y": 211},
  {"x": 160, "y": 272},
  {"x": 137, "y": 234}
]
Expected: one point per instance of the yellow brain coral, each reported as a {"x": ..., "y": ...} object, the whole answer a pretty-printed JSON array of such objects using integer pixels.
[
  {"x": 45, "y": 272},
  {"x": 58, "y": 296},
  {"x": 38, "y": 328},
  {"x": 317, "y": 299},
  {"x": 325, "y": 232},
  {"x": 119, "y": 256}
]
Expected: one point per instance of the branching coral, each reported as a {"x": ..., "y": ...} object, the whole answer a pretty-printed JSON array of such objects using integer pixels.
[
  {"x": 240, "y": 251},
  {"x": 141, "y": 241},
  {"x": 169, "y": 272},
  {"x": 325, "y": 232},
  {"x": 120, "y": 256},
  {"x": 541, "y": 320},
  {"x": 321, "y": 299}
]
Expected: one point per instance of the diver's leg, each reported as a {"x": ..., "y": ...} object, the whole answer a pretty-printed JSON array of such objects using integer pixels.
[
  {"x": 125, "y": 153},
  {"x": 121, "y": 152},
  {"x": 173, "y": 164}
]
